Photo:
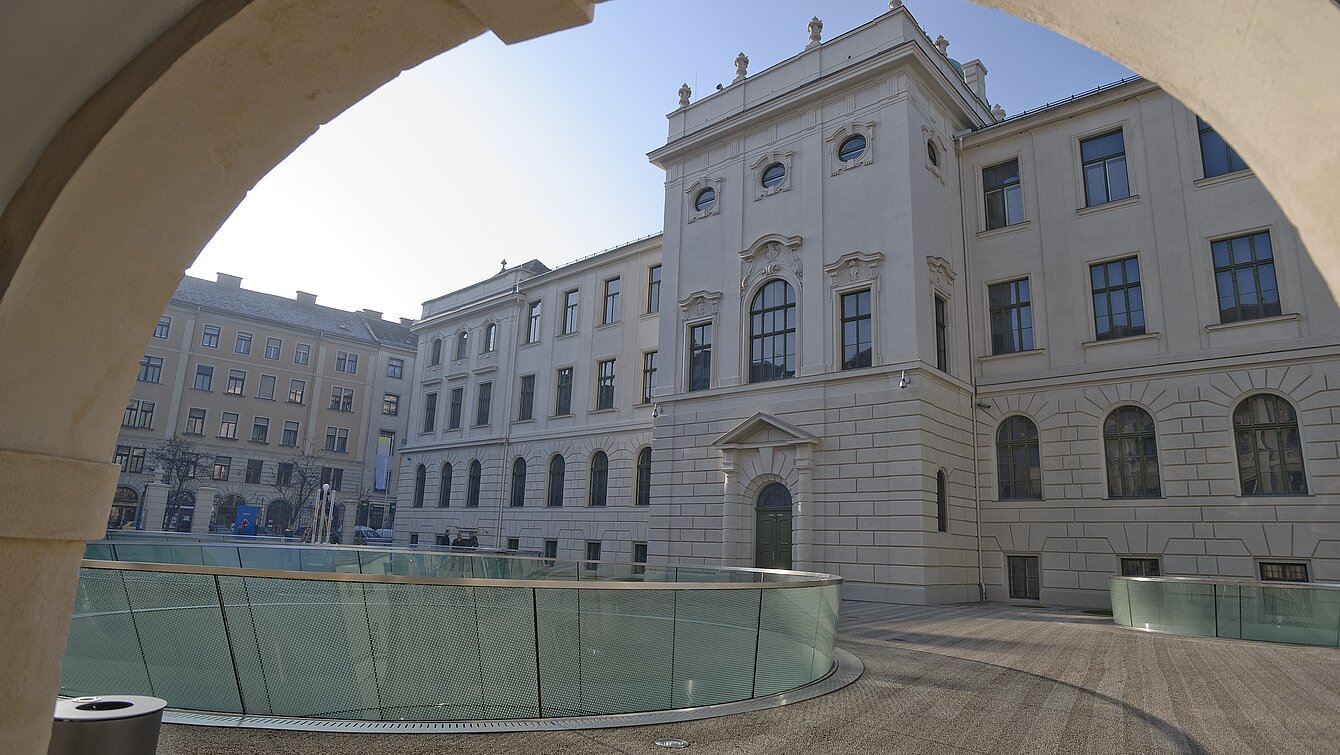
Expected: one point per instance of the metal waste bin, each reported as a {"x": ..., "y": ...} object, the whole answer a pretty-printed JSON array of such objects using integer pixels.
[{"x": 107, "y": 725}]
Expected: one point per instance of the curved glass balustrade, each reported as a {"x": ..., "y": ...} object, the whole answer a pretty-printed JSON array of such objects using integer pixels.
[
  {"x": 385, "y": 634},
  {"x": 1301, "y": 613}
]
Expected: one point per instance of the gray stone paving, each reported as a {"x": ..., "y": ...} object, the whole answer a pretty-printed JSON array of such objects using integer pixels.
[{"x": 979, "y": 678}]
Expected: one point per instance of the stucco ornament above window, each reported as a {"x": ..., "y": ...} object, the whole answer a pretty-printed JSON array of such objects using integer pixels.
[{"x": 771, "y": 256}]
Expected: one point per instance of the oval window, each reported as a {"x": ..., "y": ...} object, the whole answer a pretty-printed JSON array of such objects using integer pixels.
[
  {"x": 932, "y": 153},
  {"x": 705, "y": 199},
  {"x": 852, "y": 148},
  {"x": 773, "y": 175}
]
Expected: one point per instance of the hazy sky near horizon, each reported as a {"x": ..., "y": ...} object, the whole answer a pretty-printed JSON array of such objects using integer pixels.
[{"x": 538, "y": 150}]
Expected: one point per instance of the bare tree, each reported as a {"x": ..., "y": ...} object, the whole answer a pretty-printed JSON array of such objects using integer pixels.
[
  {"x": 181, "y": 464},
  {"x": 297, "y": 479}
]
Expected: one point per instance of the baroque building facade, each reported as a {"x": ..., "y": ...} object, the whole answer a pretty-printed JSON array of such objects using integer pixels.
[
  {"x": 265, "y": 390},
  {"x": 899, "y": 337}
]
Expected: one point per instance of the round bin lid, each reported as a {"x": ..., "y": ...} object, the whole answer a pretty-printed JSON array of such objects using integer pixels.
[{"x": 107, "y": 707}]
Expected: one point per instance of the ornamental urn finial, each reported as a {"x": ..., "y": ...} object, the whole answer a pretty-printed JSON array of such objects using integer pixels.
[
  {"x": 684, "y": 94},
  {"x": 942, "y": 45},
  {"x": 741, "y": 67},
  {"x": 816, "y": 28}
]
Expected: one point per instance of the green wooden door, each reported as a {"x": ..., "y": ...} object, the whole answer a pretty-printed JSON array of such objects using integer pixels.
[{"x": 772, "y": 528}]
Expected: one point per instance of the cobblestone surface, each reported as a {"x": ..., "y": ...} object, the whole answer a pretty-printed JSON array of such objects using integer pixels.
[{"x": 980, "y": 678}]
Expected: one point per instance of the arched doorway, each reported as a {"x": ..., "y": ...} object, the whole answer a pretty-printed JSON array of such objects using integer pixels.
[
  {"x": 125, "y": 507},
  {"x": 772, "y": 527},
  {"x": 278, "y": 518},
  {"x": 180, "y": 512},
  {"x": 225, "y": 513}
]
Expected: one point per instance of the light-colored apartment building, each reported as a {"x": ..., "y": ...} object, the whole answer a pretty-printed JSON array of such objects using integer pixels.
[
  {"x": 264, "y": 387},
  {"x": 901, "y": 338}
]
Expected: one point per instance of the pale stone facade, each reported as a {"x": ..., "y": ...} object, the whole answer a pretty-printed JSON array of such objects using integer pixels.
[
  {"x": 252, "y": 380},
  {"x": 858, "y": 172}
]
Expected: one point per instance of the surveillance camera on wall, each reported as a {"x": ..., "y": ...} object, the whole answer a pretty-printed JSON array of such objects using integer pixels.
[{"x": 902, "y": 382}]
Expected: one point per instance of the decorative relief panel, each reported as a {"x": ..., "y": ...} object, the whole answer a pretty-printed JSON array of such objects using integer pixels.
[
  {"x": 853, "y": 268},
  {"x": 691, "y": 198},
  {"x": 700, "y": 304},
  {"x": 836, "y": 139},
  {"x": 942, "y": 276},
  {"x": 770, "y": 256}
]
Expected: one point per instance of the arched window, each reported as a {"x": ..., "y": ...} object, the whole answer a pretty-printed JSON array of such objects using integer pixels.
[
  {"x": 436, "y": 357},
  {"x": 225, "y": 510},
  {"x": 444, "y": 487},
  {"x": 519, "y": 482},
  {"x": 472, "y": 484},
  {"x": 600, "y": 478},
  {"x": 463, "y": 344},
  {"x": 644, "y": 477},
  {"x": 772, "y": 333},
  {"x": 420, "y": 479},
  {"x": 941, "y": 501},
  {"x": 1132, "y": 454},
  {"x": 557, "y": 470},
  {"x": 125, "y": 508},
  {"x": 1270, "y": 451},
  {"x": 1018, "y": 460},
  {"x": 932, "y": 152},
  {"x": 490, "y": 338}
]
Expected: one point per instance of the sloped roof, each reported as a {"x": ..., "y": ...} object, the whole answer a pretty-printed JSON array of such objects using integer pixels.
[{"x": 197, "y": 292}]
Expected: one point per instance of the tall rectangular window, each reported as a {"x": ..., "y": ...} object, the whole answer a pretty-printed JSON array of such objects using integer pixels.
[
  {"x": 337, "y": 439},
  {"x": 563, "y": 394},
  {"x": 390, "y": 404},
  {"x": 429, "y": 412},
  {"x": 1215, "y": 155},
  {"x": 857, "y": 340},
  {"x": 290, "y": 436},
  {"x": 209, "y": 337},
  {"x": 592, "y": 554},
  {"x": 700, "y": 357},
  {"x": 254, "y": 469},
  {"x": 346, "y": 361},
  {"x": 1011, "y": 316},
  {"x": 395, "y": 368},
  {"x": 272, "y": 348},
  {"x": 332, "y": 475},
  {"x": 195, "y": 422},
  {"x": 341, "y": 399},
  {"x": 1244, "y": 274},
  {"x": 222, "y": 465},
  {"x": 302, "y": 353},
  {"x": 611, "y": 310},
  {"x": 260, "y": 430},
  {"x": 139, "y": 415},
  {"x": 1104, "y": 164},
  {"x": 533, "y": 323},
  {"x": 551, "y": 549},
  {"x": 136, "y": 460},
  {"x": 163, "y": 327},
  {"x": 654, "y": 289},
  {"x": 284, "y": 474},
  {"x": 151, "y": 370},
  {"x": 605, "y": 385},
  {"x": 243, "y": 343},
  {"x": 941, "y": 335},
  {"x": 237, "y": 382},
  {"x": 456, "y": 408},
  {"x": 527, "y": 408},
  {"x": 570, "y": 299},
  {"x": 1118, "y": 306},
  {"x": 204, "y": 377},
  {"x": 484, "y": 404},
  {"x": 1023, "y": 575},
  {"x": 228, "y": 426},
  {"x": 267, "y": 389},
  {"x": 296, "y": 391},
  {"x": 648, "y": 375},
  {"x": 639, "y": 558},
  {"x": 1002, "y": 195}
]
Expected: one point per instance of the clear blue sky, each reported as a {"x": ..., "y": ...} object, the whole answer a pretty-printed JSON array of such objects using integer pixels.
[{"x": 538, "y": 150}]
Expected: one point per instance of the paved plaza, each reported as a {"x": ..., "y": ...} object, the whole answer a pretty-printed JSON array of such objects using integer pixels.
[{"x": 979, "y": 678}]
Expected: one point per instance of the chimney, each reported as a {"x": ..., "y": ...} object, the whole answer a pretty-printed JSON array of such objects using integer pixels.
[
  {"x": 974, "y": 75},
  {"x": 371, "y": 314},
  {"x": 407, "y": 321},
  {"x": 305, "y": 298},
  {"x": 231, "y": 281}
]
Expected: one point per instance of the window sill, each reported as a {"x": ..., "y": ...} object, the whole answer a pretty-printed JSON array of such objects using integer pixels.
[
  {"x": 1114, "y": 204},
  {"x": 1123, "y": 339},
  {"x": 259, "y": 442},
  {"x": 194, "y": 435},
  {"x": 1022, "y": 225},
  {"x": 608, "y": 325},
  {"x": 561, "y": 416},
  {"x": 202, "y": 390},
  {"x": 476, "y": 427},
  {"x": 650, "y": 315},
  {"x": 224, "y": 437},
  {"x": 530, "y": 421},
  {"x": 610, "y": 410},
  {"x": 1011, "y": 355},
  {"x": 561, "y": 336},
  {"x": 1223, "y": 178},
  {"x": 528, "y": 344},
  {"x": 1291, "y": 317}
]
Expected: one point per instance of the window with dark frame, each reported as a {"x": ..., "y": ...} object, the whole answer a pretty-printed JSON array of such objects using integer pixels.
[
  {"x": 1002, "y": 195},
  {"x": 435, "y": 353},
  {"x": 554, "y": 486},
  {"x": 1131, "y": 448},
  {"x": 302, "y": 353},
  {"x": 592, "y": 554},
  {"x": 490, "y": 343},
  {"x": 237, "y": 382},
  {"x": 284, "y": 474},
  {"x": 941, "y": 334},
  {"x": 139, "y": 415},
  {"x": 395, "y": 368},
  {"x": 551, "y": 549},
  {"x": 643, "y": 497},
  {"x": 857, "y": 330},
  {"x": 1140, "y": 567},
  {"x": 195, "y": 422},
  {"x": 1018, "y": 460},
  {"x": 204, "y": 377},
  {"x": 639, "y": 558},
  {"x": 1118, "y": 303},
  {"x": 151, "y": 370},
  {"x": 272, "y": 348},
  {"x": 472, "y": 484},
  {"x": 337, "y": 439},
  {"x": 228, "y": 426},
  {"x": 772, "y": 333},
  {"x": 1023, "y": 577},
  {"x": 222, "y": 466},
  {"x": 653, "y": 289},
  {"x": 255, "y": 467},
  {"x": 341, "y": 399},
  {"x": 518, "y": 498},
  {"x": 1011, "y": 312},
  {"x": 1104, "y": 164},
  {"x": 570, "y": 301},
  {"x": 163, "y": 328},
  {"x": 610, "y": 313},
  {"x": 513, "y": 543},
  {"x": 600, "y": 471},
  {"x": 444, "y": 486},
  {"x": 332, "y": 475},
  {"x": 390, "y": 404},
  {"x": 648, "y": 375},
  {"x": 533, "y": 323},
  {"x": 484, "y": 404},
  {"x": 1269, "y": 447},
  {"x": 462, "y": 345},
  {"x": 420, "y": 482},
  {"x": 1277, "y": 571},
  {"x": 526, "y": 407},
  {"x": 242, "y": 345},
  {"x": 260, "y": 429},
  {"x": 605, "y": 385},
  {"x": 1216, "y": 156},
  {"x": 563, "y": 392},
  {"x": 429, "y": 412},
  {"x": 700, "y": 356},
  {"x": 941, "y": 502},
  {"x": 456, "y": 408},
  {"x": 209, "y": 338},
  {"x": 1244, "y": 276},
  {"x": 346, "y": 361},
  {"x": 290, "y": 434},
  {"x": 296, "y": 391}
]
